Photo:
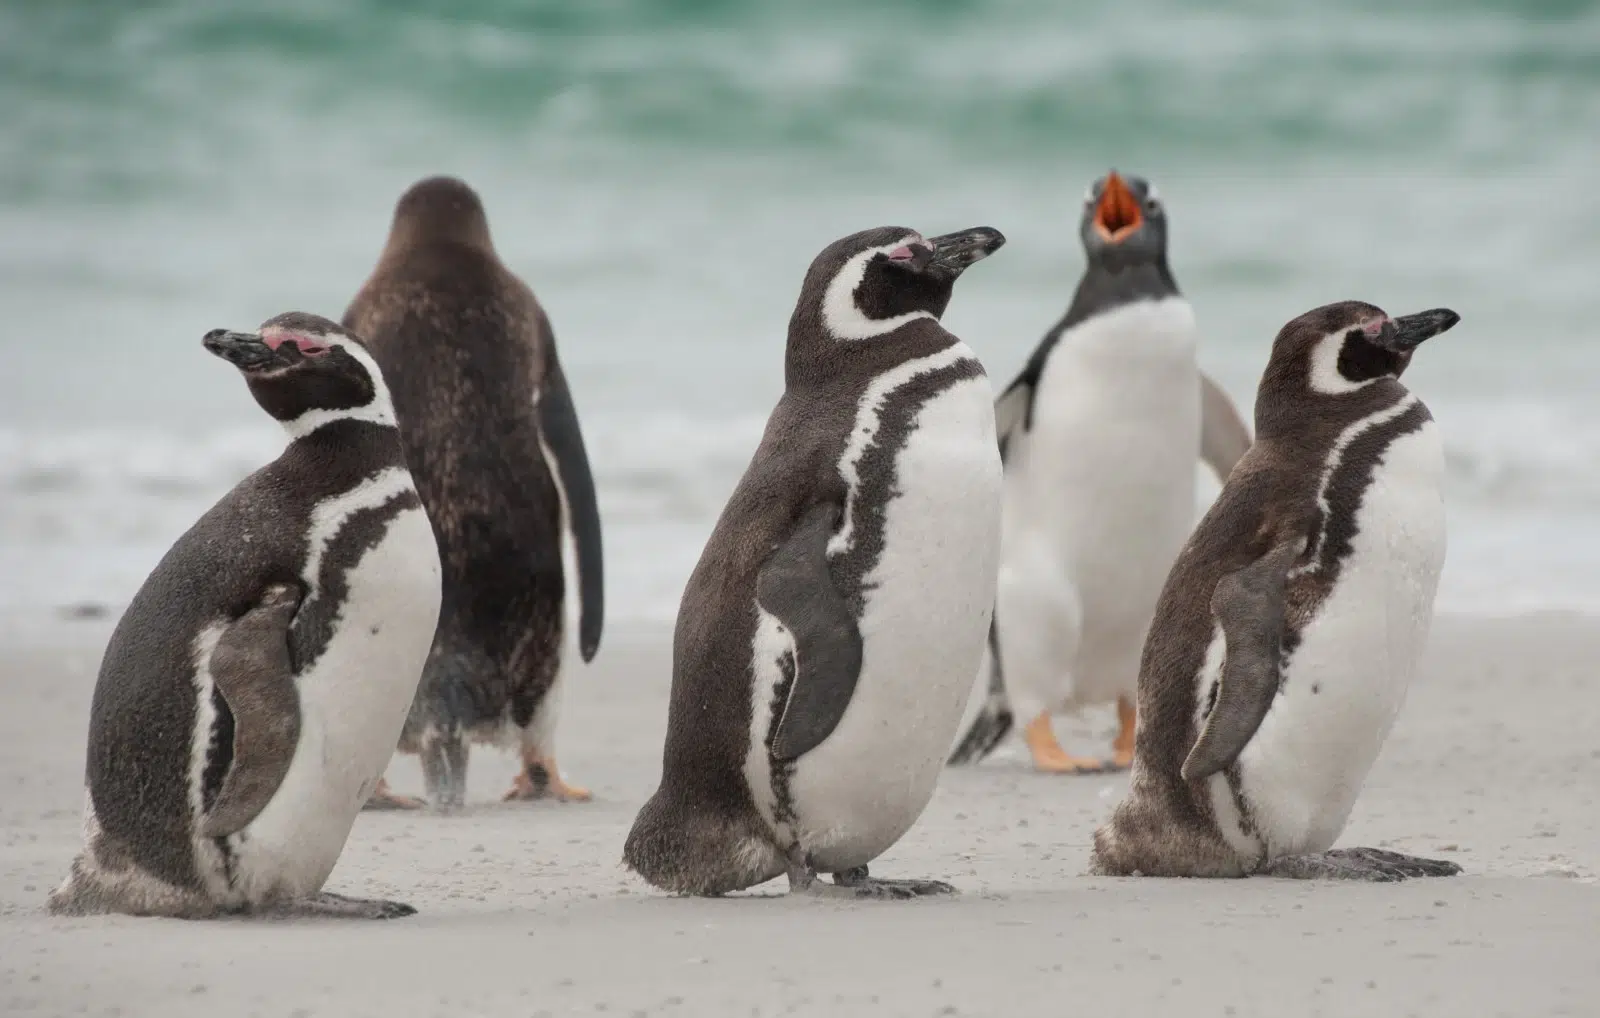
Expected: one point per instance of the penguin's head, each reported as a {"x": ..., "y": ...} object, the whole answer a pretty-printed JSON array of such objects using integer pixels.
[
  {"x": 439, "y": 210},
  {"x": 305, "y": 371},
  {"x": 1123, "y": 222},
  {"x": 1339, "y": 348},
  {"x": 872, "y": 282}
]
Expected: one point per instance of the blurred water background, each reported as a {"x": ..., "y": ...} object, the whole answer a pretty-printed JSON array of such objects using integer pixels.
[{"x": 662, "y": 173}]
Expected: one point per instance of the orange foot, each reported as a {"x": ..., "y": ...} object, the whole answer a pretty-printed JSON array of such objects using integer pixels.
[
  {"x": 1127, "y": 722},
  {"x": 540, "y": 778},
  {"x": 384, "y": 797},
  {"x": 1049, "y": 757}
]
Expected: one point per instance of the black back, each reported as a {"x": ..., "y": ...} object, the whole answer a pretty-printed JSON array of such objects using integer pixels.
[{"x": 471, "y": 365}]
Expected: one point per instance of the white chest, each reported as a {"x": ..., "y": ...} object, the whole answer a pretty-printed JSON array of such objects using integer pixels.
[
  {"x": 1346, "y": 680},
  {"x": 1103, "y": 485},
  {"x": 353, "y": 701},
  {"x": 926, "y": 611}
]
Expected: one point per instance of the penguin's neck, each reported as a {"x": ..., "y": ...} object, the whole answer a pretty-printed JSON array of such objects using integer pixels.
[
  {"x": 1104, "y": 288},
  {"x": 379, "y": 410}
]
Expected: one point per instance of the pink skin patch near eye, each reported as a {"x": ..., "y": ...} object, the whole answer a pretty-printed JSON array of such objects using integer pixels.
[
  {"x": 906, "y": 252},
  {"x": 1375, "y": 326},
  {"x": 307, "y": 346}
]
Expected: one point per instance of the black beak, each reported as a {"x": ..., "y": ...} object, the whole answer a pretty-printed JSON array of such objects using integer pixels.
[
  {"x": 1406, "y": 333},
  {"x": 953, "y": 252},
  {"x": 244, "y": 350}
]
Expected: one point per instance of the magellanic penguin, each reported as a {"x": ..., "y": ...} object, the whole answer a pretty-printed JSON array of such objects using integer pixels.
[
  {"x": 827, "y": 638},
  {"x": 1292, "y": 622},
  {"x": 252, "y": 692},
  {"x": 492, "y": 437},
  {"x": 1100, "y": 434}
]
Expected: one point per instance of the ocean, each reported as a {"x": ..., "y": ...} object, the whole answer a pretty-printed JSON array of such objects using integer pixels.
[{"x": 663, "y": 172}]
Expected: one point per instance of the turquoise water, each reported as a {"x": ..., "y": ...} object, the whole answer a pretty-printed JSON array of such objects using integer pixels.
[{"x": 662, "y": 173}]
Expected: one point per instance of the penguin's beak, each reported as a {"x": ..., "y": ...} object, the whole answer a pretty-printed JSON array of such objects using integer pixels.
[
  {"x": 1117, "y": 215},
  {"x": 954, "y": 252},
  {"x": 246, "y": 351},
  {"x": 1406, "y": 333}
]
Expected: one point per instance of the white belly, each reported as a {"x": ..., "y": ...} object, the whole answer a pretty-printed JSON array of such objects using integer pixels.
[
  {"x": 925, "y": 620},
  {"x": 1347, "y": 679},
  {"x": 1099, "y": 498},
  {"x": 353, "y": 701}
]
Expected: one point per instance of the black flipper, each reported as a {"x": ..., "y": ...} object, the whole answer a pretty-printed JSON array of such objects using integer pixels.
[
  {"x": 994, "y": 719},
  {"x": 1224, "y": 438},
  {"x": 796, "y": 587},
  {"x": 250, "y": 668},
  {"x": 558, "y": 423},
  {"x": 1012, "y": 410},
  {"x": 1249, "y": 606}
]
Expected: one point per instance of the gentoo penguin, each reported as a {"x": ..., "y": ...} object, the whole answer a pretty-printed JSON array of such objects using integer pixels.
[
  {"x": 491, "y": 434},
  {"x": 251, "y": 694},
  {"x": 827, "y": 638},
  {"x": 1099, "y": 433},
  {"x": 1291, "y": 623}
]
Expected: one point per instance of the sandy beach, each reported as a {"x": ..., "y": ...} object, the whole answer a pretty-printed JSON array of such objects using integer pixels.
[{"x": 526, "y": 910}]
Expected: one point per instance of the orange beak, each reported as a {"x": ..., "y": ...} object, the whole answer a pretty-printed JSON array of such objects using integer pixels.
[{"x": 1117, "y": 215}]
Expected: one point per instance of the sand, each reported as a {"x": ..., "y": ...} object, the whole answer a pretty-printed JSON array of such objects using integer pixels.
[{"x": 526, "y": 911}]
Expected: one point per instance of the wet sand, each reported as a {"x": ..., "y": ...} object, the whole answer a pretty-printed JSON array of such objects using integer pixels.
[{"x": 525, "y": 910}]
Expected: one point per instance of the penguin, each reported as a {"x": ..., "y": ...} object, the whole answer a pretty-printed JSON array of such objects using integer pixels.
[
  {"x": 826, "y": 640},
  {"x": 1099, "y": 434},
  {"x": 491, "y": 433},
  {"x": 251, "y": 694},
  {"x": 1293, "y": 620}
]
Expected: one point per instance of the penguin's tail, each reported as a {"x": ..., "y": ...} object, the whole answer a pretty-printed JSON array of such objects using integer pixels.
[
  {"x": 994, "y": 720},
  {"x": 694, "y": 848}
]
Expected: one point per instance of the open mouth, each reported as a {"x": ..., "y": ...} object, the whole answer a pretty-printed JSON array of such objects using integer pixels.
[{"x": 1117, "y": 215}]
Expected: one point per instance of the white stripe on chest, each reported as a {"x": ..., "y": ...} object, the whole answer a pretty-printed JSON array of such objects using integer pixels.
[
  {"x": 864, "y": 432},
  {"x": 1331, "y": 465},
  {"x": 329, "y": 516}
]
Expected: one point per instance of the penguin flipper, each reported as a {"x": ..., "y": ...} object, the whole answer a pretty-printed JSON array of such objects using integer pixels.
[
  {"x": 1249, "y": 606},
  {"x": 250, "y": 667},
  {"x": 563, "y": 441},
  {"x": 795, "y": 586},
  {"x": 1224, "y": 438},
  {"x": 1012, "y": 410}
]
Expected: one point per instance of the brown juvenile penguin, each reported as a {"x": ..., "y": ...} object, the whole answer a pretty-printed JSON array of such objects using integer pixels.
[{"x": 491, "y": 434}]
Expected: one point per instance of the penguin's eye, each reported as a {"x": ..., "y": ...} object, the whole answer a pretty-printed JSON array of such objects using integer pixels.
[
  {"x": 306, "y": 346},
  {"x": 903, "y": 253},
  {"x": 1152, "y": 203}
]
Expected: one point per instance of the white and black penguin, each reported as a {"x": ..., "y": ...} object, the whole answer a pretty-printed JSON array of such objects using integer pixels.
[
  {"x": 827, "y": 639},
  {"x": 491, "y": 434},
  {"x": 1293, "y": 621},
  {"x": 1100, "y": 434},
  {"x": 250, "y": 696}
]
